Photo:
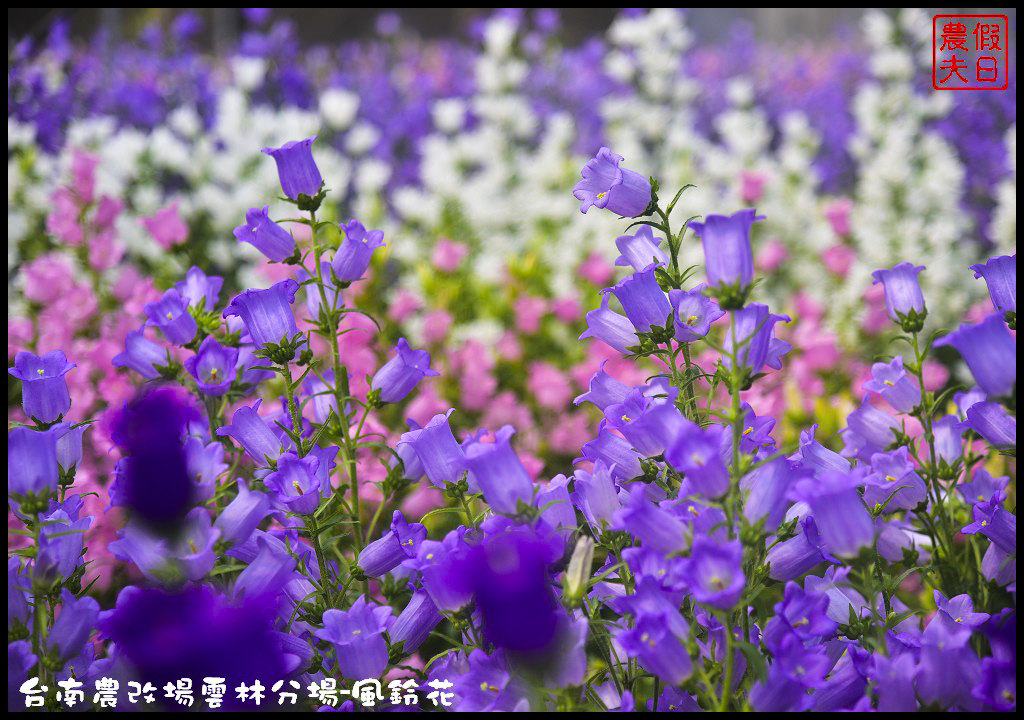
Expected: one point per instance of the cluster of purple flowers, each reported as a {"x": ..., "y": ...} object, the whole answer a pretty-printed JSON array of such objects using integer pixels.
[{"x": 690, "y": 561}]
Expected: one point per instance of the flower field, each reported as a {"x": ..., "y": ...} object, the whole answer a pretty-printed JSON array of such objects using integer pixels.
[{"x": 496, "y": 373}]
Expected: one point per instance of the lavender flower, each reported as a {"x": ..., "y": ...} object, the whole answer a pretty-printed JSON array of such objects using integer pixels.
[
  {"x": 606, "y": 185},
  {"x": 276, "y": 243},
  {"x": 296, "y": 168},
  {"x": 44, "y": 391}
]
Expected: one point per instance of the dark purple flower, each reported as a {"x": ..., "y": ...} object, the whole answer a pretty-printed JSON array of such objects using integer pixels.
[
  {"x": 400, "y": 374},
  {"x": 254, "y": 435},
  {"x": 194, "y": 633},
  {"x": 693, "y": 312},
  {"x": 358, "y": 638},
  {"x": 44, "y": 391},
  {"x": 296, "y": 168},
  {"x": 401, "y": 542},
  {"x": 767, "y": 489},
  {"x": 992, "y": 422},
  {"x": 171, "y": 314},
  {"x": 893, "y": 383},
  {"x": 894, "y": 682},
  {"x": 441, "y": 456},
  {"x": 267, "y": 314},
  {"x": 903, "y": 299},
  {"x": 640, "y": 250},
  {"x": 73, "y": 626},
  {"x": 643, "y": 300},
  {"x": 998, "y": 686},
  {"x": 213, "y": 367},
  {"x": 606, "y": 185},
  {"x": 199, "y": 289},
  {"x": 155, "y": 483},
  {"x": 610, "y": 327},
  {"x": 990, "y": 352},
  {"x": 142, "y": 355},
  {"x": 728, "y": 259},
  {"x": 352, "y": 257},
  {"x": 1000, "y": 274},
  {"x": 276, "y": 243}
]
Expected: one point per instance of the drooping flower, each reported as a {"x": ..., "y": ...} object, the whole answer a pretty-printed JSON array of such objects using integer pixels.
[
  {"x": 400, "y": 374},
  {"x": 352, "y": 257},
  {"x": 141, "y": 355},
  {"x": 499, "y": 473},
  {"x": 296, "y": 168},
  {"x": 441, "y": 456},
  {"x": 401, "y": 542},
  {"x": 213, "y": 367},
  {"x": 640, "y": 250},
  {"x": 254, "y": 435},
  {"x": 267, "y": 314},
  {"x": 1000, "y": 274},
  {"x": 989, "y": 351},
  {"x": 606, "y": 185},
  {"x": 44, "y": 391},
  {"x": 276, "y": 243},
  {"x": 609, "y": 326},
  {"x": 414, "y": 623},
  {"x": 755, "y": 337},
  {"x": 603, "y": 390}
]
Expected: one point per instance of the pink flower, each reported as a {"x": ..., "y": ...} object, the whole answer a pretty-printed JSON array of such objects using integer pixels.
[
  {"x": 549, "y": 386},
  {"x": 62, "y": 221},
  {"x": 837, "y": 213},
  {"x": 436, "y": 325},
  {"x": 529, "y": 312},
  {"x": 597, "y": 269},
  {"x": 167, "y": 227},
  {"x": 403, "y": 305},
  {"x": 448, "y": 255},
  {"x": 772, "y": 255},
  {"x": 508, "y": 347},
  {"x": 876, "y": 318},
  {"x": 751, "y": 186},
  {"x": 83, "y": 175},
  {"x": 567, "y": 309},
  {"x": 838, "y": 259}
]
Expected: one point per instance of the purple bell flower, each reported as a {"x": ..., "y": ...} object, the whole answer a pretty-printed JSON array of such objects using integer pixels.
[
  {"x": 648, "y": 523},
  {"x": 983, "y": 487},
  {"x": 400, "y": 374},
  {"x": 595, "y": 494},
  {"x": 903, "y": 298},
  {"x": 839, "y": 513},
  {"x": 692, "y": 313},
  {"x": 610, "y": 327},
  {"x": 640, "y": 250},
  {"x": 358, "y": 639},
  {"x": 618, "y": 456},
  {"x": 892, "y": 382},
  {"x": 893, "y": 479},
  {"x": 194, "y": 548},
  {"x": 992, "y": 422},
  {"x": 267, "y": 314},
  {"x": 715, "y": 572},
  {"x": 499, "y": 473},
  {"x": 697, "y": 454},
  {"x": 791, "y": 558},
  {"x": 213, "y": 367},
  {"x": 32, "y": 461},
  {"x": 948, "y": 431},
  {"x": 396, "y": 546},
  {"x": 352, "y": 257},
  {"x": 44, "y": 391},
  {"x": 441, "y": 456},
  {"x": 643, "y": 300},
  {"x": 276, "y": 243},
  {"x": 869, "y": 430},
  {"x": 990, "y": 352},
  {"x": 254, "y": 435},
  {"x": 767, "y": 489},
  {"x": 73, "y": 626},
  {"x": 61, "y": 541},
  {"x": 414, "y": 623},
  {"x": 198, "y": 289},
  {"x": 1000, "y": 274},
  {"x": 728, "y": 259},
  {"x": 816, "y": 457},
  {"x": 295, "y": 485},
  {"x": 296, "y": 168},
  {"x": 754, "y": 337},
  {"x": 141, "y": 355},
  {"x": 605, "y": 185},
  {"x": 171, "y": 314},
  {"x": 242, "y": 515},
  {"x": 604, "y": 390},
  {"x": 993, "y": 521}
]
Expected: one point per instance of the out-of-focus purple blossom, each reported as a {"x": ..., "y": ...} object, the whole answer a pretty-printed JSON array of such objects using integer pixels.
[{"x": 989, "y": 351}]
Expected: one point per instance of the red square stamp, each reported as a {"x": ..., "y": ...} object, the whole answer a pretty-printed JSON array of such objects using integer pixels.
[{"x": 970, "y": 52}]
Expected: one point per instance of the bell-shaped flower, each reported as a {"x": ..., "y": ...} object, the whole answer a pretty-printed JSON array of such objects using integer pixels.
[
  {"x": 171, "y": 314},
  {"x": 358, "y": 638},
  {"x": 904, "y": 300},
  {"x": 692, "y": 313},
  {"x": 400, "y": 374},
  {"x": 640, "y": 250},
  {"x": 296, "y": 168},
  {"x": 610, "y": 327},
  {"x": 141, "y": 355},
  {"x": 839, "y": 513},
  {"x": 1000, "y": 274},
  {"x": 891, "y": 381},
  {"x": 441, "y": 456},
  {"x": 199, "y": 289},
  {"x": 606, "y": 185},
  {"x": 352, "y": 257},
  {"x": 44, "y": 390},
  {"x": 276, "y": 243},
  {"x": 213, "y": 367},
  {"x": 401, "y": 542},
  {"x": 603, "y": 390},
  {"x": 728, "y": 258},
  {"x": 267, "y": 314},
  {"x": 295, "y": 485},
  {"x": 499, "y": 473},
  {"x": 250, "y": 431},
  {"x": 990, "y": 352}
]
